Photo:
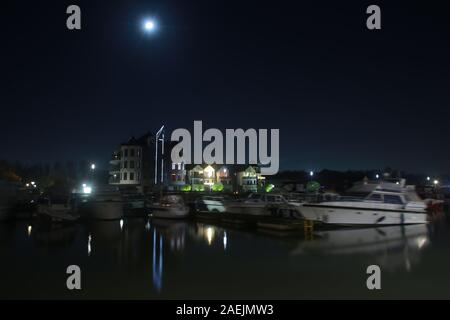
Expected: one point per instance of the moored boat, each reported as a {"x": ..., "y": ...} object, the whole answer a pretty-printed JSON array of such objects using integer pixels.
[
  {"x": 386, "y": 205},
  {"x": 170, "y": 207}
]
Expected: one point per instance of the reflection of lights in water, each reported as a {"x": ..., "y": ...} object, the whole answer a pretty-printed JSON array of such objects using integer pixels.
[
  {"x": 30, "y": 228},
  {"x": 121, "y": 224},
  {"x": 209, "y": 235},
  {"x": 421, "y": 242},
  {"x": 89, "y": 245},
  {"x": 157, "y": 267},
  {"x": 225, "y": 240},
  {"x": 147, "y": 226}
]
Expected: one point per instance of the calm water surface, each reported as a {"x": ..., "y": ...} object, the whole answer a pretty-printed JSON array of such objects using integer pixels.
[{"x": 150, "y": 259}]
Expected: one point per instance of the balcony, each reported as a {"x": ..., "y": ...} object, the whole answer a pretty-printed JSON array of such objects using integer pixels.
[
  {"x": 115, "y": 158},
  {"x": 114, "y": 180},
  {"x": 114, "y": 168}
]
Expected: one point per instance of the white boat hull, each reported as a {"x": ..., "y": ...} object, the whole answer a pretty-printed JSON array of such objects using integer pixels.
[{"x": 361, "y": 216}]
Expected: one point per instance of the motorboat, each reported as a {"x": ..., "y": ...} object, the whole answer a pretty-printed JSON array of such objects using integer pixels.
[
  {"x": 170, "y": 207},
  {"x": 210, "y": 207},
  {"x": 388, "y": 204},
  {"x": 265, "y": 204},
  {"x": 103, "y": 204},
  {"x": 56, "y": 205},
  {"x": 210, "y": 204}
]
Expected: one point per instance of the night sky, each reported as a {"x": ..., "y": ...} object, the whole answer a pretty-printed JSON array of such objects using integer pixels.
[{"x": 342, "y": 96}]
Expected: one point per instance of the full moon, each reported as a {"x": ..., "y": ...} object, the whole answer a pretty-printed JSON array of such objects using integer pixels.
[{"x": 149, "y": 25}]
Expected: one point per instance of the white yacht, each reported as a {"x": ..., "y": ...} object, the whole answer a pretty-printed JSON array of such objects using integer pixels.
[
  {"x": 170, "y": 207},
  {"x": 388, "y": 204}
]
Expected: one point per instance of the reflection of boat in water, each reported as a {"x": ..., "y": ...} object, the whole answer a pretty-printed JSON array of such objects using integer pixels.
[
  {"x": 53, "y": 234},
  {"x": 170, "y": 207},
  {"x": 386, "y": 205},
  {"x": 387, "y": 243}
]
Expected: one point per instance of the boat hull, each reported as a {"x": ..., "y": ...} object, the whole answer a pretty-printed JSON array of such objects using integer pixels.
[{"x": 361, "y": 216}]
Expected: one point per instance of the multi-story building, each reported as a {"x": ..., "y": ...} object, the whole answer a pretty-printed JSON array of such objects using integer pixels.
[
  {"x": 232, "y": 177},
  {"x": 133, "y": 163}
]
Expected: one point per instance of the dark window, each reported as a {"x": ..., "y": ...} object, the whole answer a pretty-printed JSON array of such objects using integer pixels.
[
  {"x": 125, "y": 176},
  {"x": 132, "y": 152},
  {"x": 126, "y": 152},
  {"x": 392, "y": 199},
  {"x": 131, "y": 164},
  {"x": 125, "y": 164},
  {"x": 131, "y": 175},
  {"x": 375, "y": 197}
]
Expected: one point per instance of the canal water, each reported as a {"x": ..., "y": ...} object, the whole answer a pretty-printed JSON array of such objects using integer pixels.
[{"x": 158, "y": 259}]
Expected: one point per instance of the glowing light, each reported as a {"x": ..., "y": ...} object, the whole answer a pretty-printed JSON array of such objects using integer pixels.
[
  {"x": 436, "y": 182},
  {"x": 377, "y": 176},
  {"x": 93, "y": 166},
  {"x": 89, "y": 245},
  {"x": 421, "y": 242},
  {"x": 30, "y": 228},
  {"x": 209, "y": 235},
  {"x": 311, "y": 173},
  {"x": 33, "y": 183},
  {"x": 87, "y": 190},
  {"x": 225, "y": 240},
  {"x": 121, "y": 224},
  {"x": 27, "y": 184},
  {"x": 150, "y": 25},
  {"x": 428, "y": 178}
]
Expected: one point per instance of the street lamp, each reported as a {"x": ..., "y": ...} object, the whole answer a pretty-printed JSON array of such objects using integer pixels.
[
  {"x": 377, "y": 176},
  {"x": 436, "y": 182},
  {"x": 159, "y": 134},
  {"x": 93, "y": 166}
]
